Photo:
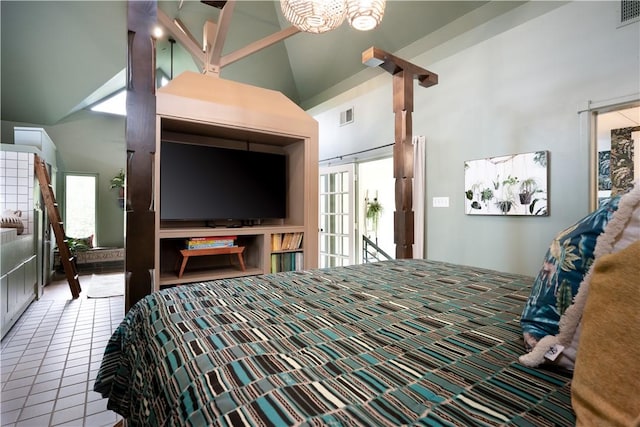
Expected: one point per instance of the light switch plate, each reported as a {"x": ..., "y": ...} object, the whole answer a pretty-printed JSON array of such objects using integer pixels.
[{"x": 440, "y": 202}]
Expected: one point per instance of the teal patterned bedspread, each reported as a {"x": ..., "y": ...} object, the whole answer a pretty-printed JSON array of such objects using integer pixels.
[{"x": 390, "y": 343}]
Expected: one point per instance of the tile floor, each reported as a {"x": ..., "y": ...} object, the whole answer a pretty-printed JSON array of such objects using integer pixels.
[{"x": 50, "y": 358}]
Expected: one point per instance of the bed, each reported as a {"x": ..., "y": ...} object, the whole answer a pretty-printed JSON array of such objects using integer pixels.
[{"x": 389, "y": 343}]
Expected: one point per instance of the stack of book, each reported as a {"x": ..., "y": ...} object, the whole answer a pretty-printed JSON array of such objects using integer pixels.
[
  {"x": 210, "y": 242},
  {"x": 286, "y": 241},
  {"x": 287, "y": 261}
]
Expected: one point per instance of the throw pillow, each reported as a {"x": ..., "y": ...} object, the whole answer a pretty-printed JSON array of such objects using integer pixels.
[
  {"x": 622, "y": 230},
  {"x": 606, "y": 386},
  {"x": 80, "y": 244},
  {"x": 566, "y": 262},
  {"x": 12, "y": 219}
]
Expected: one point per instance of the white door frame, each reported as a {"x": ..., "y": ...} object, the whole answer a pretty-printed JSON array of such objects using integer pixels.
[
  {"x": 588, "y": 116},
  {"x": 337, "y": 216}
]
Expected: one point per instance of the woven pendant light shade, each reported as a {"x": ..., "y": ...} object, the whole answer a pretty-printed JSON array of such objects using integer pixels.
[
  {"x": 314, "y": 16},
  {"x": 365, "y": 15}
]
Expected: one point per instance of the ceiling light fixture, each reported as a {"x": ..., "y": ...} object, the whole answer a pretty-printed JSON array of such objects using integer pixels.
[
  {"x": 314, "y": 16},
  {"x": 365, "y": 15},
  {"x": 157, "y": 32}
]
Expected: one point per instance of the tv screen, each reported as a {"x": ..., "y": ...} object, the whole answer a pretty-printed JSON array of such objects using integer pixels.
[{"x": 207, "y": 183}]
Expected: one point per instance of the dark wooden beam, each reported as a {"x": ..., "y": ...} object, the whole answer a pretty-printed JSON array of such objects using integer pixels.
[
  {"x": 216, "y": 4},
  {"x": 403, "y": 73},
  {"x": 140, "y": 132}
]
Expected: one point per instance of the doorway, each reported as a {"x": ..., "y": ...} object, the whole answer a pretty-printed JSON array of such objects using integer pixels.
[
  {"x": 347, "y": 192},
  {"x": 337, "y": 213},
  {"x": 616, "y": 150}
]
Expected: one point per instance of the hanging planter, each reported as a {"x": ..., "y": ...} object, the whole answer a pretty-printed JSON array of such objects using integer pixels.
[{"x": 374, "y": 210}]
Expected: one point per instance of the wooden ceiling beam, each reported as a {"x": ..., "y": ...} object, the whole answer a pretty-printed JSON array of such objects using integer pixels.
[
  {"x": 392, "y": 64},
  {"x": 258, "y": 45},
  {"x": 180, "y": 32},
  {"x": 224, "y": 21},
  {"x": 209, "y": 56}
]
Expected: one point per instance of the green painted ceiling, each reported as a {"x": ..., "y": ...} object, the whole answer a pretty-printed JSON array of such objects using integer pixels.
[{"x": 56, "y": 56}]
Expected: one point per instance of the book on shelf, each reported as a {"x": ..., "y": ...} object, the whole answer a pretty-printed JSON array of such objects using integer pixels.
[
  {"x": 206, "y": 238},
  {"x": 286, "y": 241},
  {"x": 276, "y": 242},
  {"x": 209, "y": 246},
  {"x": 287, "y": 261},
  {"x": 210, "y": 242}
]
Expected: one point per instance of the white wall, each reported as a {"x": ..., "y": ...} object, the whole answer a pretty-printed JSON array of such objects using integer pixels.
[{"x": 516, "y": 91}]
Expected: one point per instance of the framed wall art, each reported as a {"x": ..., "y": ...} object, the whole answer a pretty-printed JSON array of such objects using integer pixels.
[{"x": 507, "y": 185}]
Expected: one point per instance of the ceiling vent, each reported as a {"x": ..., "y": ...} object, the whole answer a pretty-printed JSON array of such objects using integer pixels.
[
  {"x": 629, "y": 11},
  {"x": 346, "y": 116}
]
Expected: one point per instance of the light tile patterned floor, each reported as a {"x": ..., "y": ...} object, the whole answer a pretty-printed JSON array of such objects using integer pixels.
[{"x": 50, "y": 358}]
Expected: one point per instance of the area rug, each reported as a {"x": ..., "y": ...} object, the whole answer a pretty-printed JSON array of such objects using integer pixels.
[{"x": 103, "y": 285}]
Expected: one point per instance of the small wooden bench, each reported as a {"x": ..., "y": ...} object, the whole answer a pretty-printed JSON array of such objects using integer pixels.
[{"x": 181, "y": 262}]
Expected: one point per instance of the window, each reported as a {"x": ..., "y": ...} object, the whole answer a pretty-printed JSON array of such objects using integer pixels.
[
  {"x": 116, "y": 102},
  {"x": 80, "y": 205}
]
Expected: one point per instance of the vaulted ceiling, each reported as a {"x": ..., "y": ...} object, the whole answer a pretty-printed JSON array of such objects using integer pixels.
[{"x": 58, "y": 57}]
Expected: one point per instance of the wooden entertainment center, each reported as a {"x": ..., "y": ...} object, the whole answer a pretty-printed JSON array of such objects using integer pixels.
[{"x": 199, "y": 109}]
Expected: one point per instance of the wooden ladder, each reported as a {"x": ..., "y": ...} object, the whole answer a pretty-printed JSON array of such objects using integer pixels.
[{"x": 56, "y": 223}]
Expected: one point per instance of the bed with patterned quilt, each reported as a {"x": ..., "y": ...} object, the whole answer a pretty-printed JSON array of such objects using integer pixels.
[{"x": 389, "y": 343}]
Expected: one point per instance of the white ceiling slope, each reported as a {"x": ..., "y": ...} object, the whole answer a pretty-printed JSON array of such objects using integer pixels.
[{"x": 57, "y": 56}]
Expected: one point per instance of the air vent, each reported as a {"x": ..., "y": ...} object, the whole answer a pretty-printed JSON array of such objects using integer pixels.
[
  {"x": 629, "y": 11},
  {"x": 346, "y": 116}
]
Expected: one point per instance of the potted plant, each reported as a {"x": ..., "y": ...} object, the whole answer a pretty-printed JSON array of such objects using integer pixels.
[
  {"x": 508, "y": 198},
  {"x": 374, "y": 210},
  {"x": 118, "y": 182},
  {"x": 527, "y": 188},
  {"x": 486, "y": 195}
]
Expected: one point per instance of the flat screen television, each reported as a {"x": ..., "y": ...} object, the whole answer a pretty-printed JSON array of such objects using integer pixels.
[{"x": 204, "y": 183}]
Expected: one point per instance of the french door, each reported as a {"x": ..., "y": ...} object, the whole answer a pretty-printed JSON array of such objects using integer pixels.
[{"x": 337, "y": 216}]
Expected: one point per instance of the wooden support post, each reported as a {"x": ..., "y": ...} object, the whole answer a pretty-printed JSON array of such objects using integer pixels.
[
  {"x": 141, "y": 143},
  {"x": 403, "y": 163},
  {"x": 403, "y": 74}
]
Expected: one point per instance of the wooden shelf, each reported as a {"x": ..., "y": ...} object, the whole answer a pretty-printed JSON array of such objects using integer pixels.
[
  {"x": 199, "y": 109},
  {"x": 171, "y": 278},
  {"x": 173, "y": 232}
]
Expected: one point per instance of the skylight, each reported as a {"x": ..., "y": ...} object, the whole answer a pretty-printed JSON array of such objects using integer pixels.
[{"x": 117, "y": 103}]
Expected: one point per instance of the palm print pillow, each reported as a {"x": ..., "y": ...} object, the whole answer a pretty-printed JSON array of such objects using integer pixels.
[{"x": 566, "y": 262}]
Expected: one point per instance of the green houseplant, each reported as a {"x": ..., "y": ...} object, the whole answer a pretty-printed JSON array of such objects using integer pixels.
[
  {"x": 374, "y": 210},
  {"x": 118, "y": 182},
  {"x": 527, "y": 188},
  {"x": 508, "y": 198}
]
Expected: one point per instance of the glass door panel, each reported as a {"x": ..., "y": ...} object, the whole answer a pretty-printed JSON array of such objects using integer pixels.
[{"x": 336, "y": 221}]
